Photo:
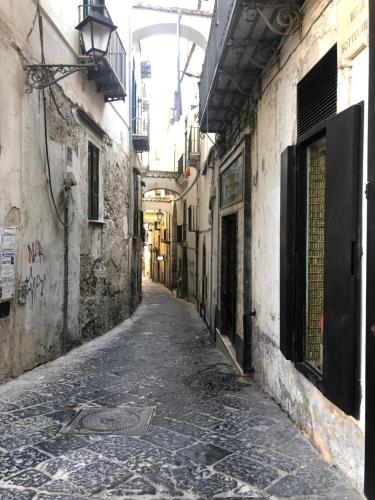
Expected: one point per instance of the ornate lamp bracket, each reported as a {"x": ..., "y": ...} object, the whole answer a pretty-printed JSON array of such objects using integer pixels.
[
  {"x": 40, "y": 76},
  {"x": 287, "y": 21}
]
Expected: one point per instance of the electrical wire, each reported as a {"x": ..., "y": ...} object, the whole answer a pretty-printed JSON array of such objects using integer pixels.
[
  {"x": 189, "y": 188},
  {"x": 46, "y": 128},
  {"x": 34, "y": 21},
  {"x": 66, "y": 118},
  {"x": 48, "y": 160}
]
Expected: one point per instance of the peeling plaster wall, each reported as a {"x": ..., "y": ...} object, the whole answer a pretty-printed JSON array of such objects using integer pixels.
[
  {"x": 99, "y": 282},
  {"x": 338, "y": 437},
  {"x": 104, "y": 279}
]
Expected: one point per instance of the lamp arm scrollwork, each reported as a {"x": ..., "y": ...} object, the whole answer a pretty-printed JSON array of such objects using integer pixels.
[{"x": 40, "y": 76}]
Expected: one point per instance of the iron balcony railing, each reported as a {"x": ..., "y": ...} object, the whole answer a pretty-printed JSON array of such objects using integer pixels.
[
  {"x": 116, "y": 55},
  {"x": 142, "y": 122},
  {"x": 141, "y": 127},
  {"x": 221, "y": 18}
]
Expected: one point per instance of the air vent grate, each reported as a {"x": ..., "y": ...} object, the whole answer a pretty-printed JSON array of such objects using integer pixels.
[{"x": 317, "y": 93}]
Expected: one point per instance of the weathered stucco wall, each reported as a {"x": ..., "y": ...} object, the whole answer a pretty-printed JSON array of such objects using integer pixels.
[
  {"x": 337, "y": 436},
  {"x": 104, "y": 278},
  {"x": 98, "y": 254}
]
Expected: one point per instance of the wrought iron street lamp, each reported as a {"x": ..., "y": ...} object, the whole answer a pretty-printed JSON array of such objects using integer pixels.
[
  {"x": 96, "y": 31},
  {"x": 159, "y": 215}
]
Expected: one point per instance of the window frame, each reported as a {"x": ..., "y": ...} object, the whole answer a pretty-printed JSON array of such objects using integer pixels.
[
  {"x": 313, "y": 135},
  {"x": 339, "y": 381},
  {"x": 93, "y": 215}
]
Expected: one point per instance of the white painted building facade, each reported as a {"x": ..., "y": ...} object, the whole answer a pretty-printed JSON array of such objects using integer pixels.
[{"x": 256, "y": 107}]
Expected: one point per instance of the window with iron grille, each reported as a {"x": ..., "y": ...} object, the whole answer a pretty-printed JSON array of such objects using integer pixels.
[
  {"x": 319, "y": 239},
  {"x": 93, "y": 182}
]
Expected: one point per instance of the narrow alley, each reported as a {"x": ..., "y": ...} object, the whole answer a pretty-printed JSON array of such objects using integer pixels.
[{"x": 162, "y": 416}]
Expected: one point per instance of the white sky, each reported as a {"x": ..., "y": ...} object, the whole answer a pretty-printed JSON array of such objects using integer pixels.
[{"x": 161, "y": 50}]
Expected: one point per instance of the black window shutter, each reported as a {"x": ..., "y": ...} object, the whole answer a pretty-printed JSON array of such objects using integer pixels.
[
  {"x": 287, "y": 250},
  {"x": 341, "y": 269}
]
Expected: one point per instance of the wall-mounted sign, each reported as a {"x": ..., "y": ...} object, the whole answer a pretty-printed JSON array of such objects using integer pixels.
[
  {"x": 7, "y": 262},
  {"x": 7, "y": 275},
  {"x": 231, "y": 183},
  {"x": 8, "y": 238},
  {"x": 353, "y": 28}
]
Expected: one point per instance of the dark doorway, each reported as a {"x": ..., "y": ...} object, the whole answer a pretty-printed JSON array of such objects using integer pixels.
[
  {"x": 204, "y": 282},
  {"x": 174, "y": 249},
  {"x": 370, "y": 299},
  {"x": 229, "y": 276},
  {"x": 185, "y": 285}
]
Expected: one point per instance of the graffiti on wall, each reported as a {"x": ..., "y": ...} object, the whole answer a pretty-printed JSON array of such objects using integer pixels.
[
  {"x": 36, "y": 253},
  {"x": 36, "y": 278}
]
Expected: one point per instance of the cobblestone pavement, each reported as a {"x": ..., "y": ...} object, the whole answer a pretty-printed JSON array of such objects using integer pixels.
[{"x": 212, "y": 434}]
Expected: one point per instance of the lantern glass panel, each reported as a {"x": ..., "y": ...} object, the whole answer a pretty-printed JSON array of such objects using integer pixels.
[
  {"x": 86, "y": 31},
  {"x": 101, "y": 37},
  {"x": 95, "y": 38}
]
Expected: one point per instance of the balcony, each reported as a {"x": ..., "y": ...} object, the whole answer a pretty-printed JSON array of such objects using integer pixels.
[
  {"x": 244, "y": 38},
  {"x": 141, "y": 127},
  {"x": 111, "y": 78}
]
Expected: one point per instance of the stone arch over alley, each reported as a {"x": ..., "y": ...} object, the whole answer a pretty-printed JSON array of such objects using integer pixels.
[
  {"x": 161, "y": 180},
  {"x": 152, "y": 22},
  {"x": 187, "y": 32}
]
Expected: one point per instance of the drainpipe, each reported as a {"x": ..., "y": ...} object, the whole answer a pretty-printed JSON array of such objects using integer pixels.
[
  {"x": 69, "y": 182},
  {"x": 66, "y": 274}
]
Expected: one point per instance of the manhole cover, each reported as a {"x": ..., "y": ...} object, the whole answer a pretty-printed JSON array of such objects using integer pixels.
[{"x": 129, "y": 421}]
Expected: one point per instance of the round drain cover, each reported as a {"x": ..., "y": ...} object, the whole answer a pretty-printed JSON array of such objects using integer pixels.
[{"x": 110, "y": 419}]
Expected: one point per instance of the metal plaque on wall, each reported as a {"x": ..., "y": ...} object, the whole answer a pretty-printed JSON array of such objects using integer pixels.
[{"x": 231, "y": 183}]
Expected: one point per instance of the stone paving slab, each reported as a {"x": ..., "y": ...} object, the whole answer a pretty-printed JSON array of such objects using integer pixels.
[{"x": 213, "y": 434}]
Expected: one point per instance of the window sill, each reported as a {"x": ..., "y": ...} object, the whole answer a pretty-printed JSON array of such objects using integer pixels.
[
  {"x": 94, "y": 222},
  {"x": 312, "y": 375}
]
